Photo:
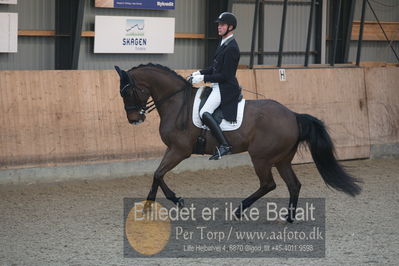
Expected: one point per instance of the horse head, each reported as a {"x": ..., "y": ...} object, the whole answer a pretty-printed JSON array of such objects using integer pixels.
[{"x": 134, "y": 96}]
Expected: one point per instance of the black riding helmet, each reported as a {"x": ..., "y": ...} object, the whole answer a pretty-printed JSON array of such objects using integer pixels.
[{"x": 228, "y": 18}]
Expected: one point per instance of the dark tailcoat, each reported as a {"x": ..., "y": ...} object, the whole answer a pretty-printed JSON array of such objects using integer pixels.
[{"x": 223, "y": 71}]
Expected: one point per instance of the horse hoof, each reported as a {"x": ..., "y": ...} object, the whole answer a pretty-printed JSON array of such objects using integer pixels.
[
  {"x": 237, "y": 215},
  {"x": 147, "y": 206},
  {"x": 289, "y": 219},
  {"x": 180, "y": 203}
]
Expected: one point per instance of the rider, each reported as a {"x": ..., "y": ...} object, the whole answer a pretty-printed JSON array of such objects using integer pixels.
[{"x": 225, "y": 88}]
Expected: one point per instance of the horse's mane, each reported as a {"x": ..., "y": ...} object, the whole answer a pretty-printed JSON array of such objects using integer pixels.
[{"x": 164, "y": 68}]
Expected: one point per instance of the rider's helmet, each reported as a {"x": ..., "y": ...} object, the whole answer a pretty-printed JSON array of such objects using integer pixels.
[{"x": 228, "y": 18}]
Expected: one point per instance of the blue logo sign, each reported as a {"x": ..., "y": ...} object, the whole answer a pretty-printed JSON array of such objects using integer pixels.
[
  {"x": 135, "y": 34},
  {"x": 135, "y": 27}
]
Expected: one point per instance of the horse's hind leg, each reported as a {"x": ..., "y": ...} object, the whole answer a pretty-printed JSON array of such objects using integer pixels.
[
  {"x": 294, "y": 186},
  {"x": 169, "y": 161},
  {"x": 263, "y": 171}
]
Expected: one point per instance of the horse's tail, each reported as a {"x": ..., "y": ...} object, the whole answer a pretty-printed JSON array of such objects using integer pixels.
[{"x": 314, "y": 133}]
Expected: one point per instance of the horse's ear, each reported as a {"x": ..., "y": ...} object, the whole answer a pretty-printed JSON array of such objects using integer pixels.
[
  {"x": 119, "y": 71},
  {"x": 122, "y": 74},
  {"x": 125, "y": 78}
]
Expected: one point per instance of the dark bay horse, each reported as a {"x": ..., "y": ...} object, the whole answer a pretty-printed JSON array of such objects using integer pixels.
[{"x": 270, "y": 133}]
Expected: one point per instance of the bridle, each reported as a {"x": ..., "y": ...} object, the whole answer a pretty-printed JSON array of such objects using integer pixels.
[{"x": 144, "y": 107}]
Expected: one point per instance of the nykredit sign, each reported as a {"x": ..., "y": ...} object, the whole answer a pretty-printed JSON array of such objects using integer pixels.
[{"x": 140, "y": 4}]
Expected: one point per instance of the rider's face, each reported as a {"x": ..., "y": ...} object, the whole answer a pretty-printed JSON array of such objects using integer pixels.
[{"x": 222, "y": 28}]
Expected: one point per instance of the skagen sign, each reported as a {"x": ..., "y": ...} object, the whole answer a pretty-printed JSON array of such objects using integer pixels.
[{"x": 134, "y": 35}]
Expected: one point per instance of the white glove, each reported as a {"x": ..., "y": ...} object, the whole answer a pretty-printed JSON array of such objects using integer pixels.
[
  {"x": 196, "y": 73},
  {"x": 197, "y": 79}
]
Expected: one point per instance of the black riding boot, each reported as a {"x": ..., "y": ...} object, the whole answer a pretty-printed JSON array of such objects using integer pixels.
[{"x": 224, "y": 147}]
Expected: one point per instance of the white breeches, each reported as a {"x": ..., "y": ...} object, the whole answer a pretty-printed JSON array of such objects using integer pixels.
[{"x": 213, "y": 100}]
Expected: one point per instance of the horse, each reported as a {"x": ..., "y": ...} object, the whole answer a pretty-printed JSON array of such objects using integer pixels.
[{"x": 270, "y": 133}]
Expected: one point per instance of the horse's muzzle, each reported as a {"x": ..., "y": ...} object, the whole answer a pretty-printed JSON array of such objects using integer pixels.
[
  {"x": 135, "y": 118},
  {"x": 136, "y": 122}
]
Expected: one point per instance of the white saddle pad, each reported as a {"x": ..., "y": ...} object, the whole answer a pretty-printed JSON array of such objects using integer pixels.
[{"x": 224, "y": 125}]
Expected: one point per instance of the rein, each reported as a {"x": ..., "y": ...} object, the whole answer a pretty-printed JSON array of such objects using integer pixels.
[
  {"x": 150, "y": 105},
  {"x": 157, "y": 104}
]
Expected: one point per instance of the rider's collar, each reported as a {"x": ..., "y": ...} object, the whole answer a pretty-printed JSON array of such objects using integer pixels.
[{"x": 226, "y": 39}]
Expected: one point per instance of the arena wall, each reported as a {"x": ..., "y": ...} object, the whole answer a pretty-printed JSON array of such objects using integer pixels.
[
  {"x": 336, "y": 96},
  {"x": 57, "y": 118},
  {"x": 382, "y": 88}
]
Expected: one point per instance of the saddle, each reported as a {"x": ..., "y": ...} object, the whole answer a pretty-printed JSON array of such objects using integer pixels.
[{"x": 217, "y": 114}]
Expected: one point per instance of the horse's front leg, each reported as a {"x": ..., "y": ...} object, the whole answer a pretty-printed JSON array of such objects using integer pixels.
[{"x": 171, "y": 158}]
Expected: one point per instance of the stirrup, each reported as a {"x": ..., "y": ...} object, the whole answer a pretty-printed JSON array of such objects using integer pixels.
[
  {"x": 216, "y": 156},
  {"x": 225, "y": 150}
]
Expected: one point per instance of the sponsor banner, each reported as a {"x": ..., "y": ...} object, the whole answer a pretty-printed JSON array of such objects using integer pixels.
[
  {"x": 134, "y": 35},
  {"x": 13, "y": 2},
  {"x": 209, "y": 228},
  {"x": 8, "y": 32},
  {"x": 140, "y": 4}
]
